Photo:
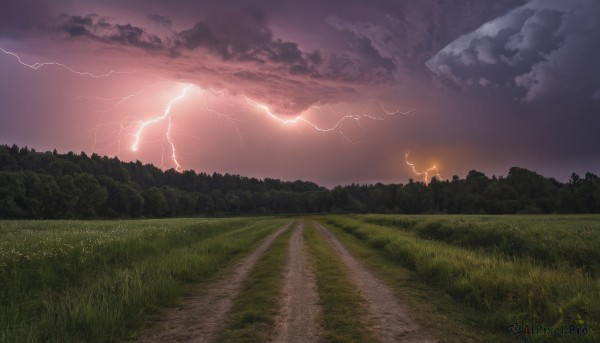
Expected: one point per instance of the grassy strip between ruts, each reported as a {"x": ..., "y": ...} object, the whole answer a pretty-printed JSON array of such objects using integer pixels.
[
  {"x": 499, "y": 290},
  {"x": 119, "y": 298},
  {"x": 252, "y": 318},
  {"x": 344, "y": 313}
]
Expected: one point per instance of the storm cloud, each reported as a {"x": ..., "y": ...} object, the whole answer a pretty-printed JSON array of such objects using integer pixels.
[
  {"x": 542, "y": 53},
  {"x": 375, "y": 53}
]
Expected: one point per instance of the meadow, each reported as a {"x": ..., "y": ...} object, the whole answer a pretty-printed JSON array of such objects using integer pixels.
[
  {"x": 463, "y": 277},
  {"x": 67, "y": 281},
  {"x": 526, "y": 270}
]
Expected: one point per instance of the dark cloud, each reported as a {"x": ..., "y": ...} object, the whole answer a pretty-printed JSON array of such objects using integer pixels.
[
  {"x": 99, "y": 29},
  {"x": 385, "y": 47},
  {"x": 412, "y": 32},
  {"x": 78, "y": 25},
  {"x": 243, "y": 36},
  {"x": 202, "y": 35},
  {"x": 135, "y": 36},
  {"x": 377, "y": 50},
  {"x": 376, "y": 44},
  {"x": 376, "y": 53},
  {"x": 286, "y": 52},
  {"x": 238, "y": 31},
  {"x": 572, "y": 69},
  {"x": 543, "y": 52}
]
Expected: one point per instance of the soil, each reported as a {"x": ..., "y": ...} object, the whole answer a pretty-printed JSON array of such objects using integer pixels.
[{"x": 298, "y": 320}]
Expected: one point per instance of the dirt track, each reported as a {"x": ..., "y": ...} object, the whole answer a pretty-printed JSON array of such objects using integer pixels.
[
  {"x": 389, "y": 320},
  {"x": 203, "y": 315},
  {"x": 298, "y": 318}
]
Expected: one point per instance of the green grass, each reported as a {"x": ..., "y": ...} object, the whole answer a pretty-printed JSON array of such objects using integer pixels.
[
  {"x": 344, "y": 314},
  {"x": 467, "y": 278},
  {"x": 553, "y": 240},
  {"x": 437, "y": 313},
  {"x": 252, "y": 318},
  {"x": 66, "y": 281},
  {"x": 501, "y": 289}
]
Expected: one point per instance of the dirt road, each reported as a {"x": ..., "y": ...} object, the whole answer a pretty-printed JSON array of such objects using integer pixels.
[
  {"x": 203, "y": 315},
  {"x": 299, "y": 313},
  {"x": 388, "y": 319}
]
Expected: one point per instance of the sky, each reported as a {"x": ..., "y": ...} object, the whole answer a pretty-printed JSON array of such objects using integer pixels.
[{"x": 334, "y": 92}]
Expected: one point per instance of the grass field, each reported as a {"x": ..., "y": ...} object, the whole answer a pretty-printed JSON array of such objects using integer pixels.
[
  {"x": 528, "y": 270},
  {"x": 464, "y": 278},
  {"x": 552, "y": 240},
  {"x": 96, "y": 280}
]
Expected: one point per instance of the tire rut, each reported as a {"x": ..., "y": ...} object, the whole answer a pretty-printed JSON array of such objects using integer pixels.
[
  {"x": 203, "y": 315},
  {"x": 300, "y": 310},
  {"x": 388, "y": 319}
]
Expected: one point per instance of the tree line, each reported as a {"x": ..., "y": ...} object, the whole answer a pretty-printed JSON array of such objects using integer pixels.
[{"x": 49, "y": 185}]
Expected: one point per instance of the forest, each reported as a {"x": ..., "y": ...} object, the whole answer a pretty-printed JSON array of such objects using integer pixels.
[{"x": 49, "y": 185}]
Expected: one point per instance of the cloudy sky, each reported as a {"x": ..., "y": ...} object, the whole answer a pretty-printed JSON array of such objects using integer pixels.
[{"x": 333, "y": 92}]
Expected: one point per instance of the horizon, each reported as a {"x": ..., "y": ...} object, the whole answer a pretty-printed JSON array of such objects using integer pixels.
[
  {"x": 333, "y": 93},
  {"x": 328, "y": 187}
]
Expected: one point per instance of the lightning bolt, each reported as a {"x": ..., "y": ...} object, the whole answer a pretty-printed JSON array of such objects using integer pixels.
[
  {"x": 300, "y": 119},
  {"x": 166, "y": 114},
  {"x": 425, "y": 174},
  {"x": 38, "y": 65},
  {"x": 140, "y": 125}
]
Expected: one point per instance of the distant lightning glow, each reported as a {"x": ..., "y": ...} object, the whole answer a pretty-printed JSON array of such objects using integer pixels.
[
  {"x": 427, "y": 174},
  {"x": 38, "y": 65},
  {"x": 166, "y": 114}
]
